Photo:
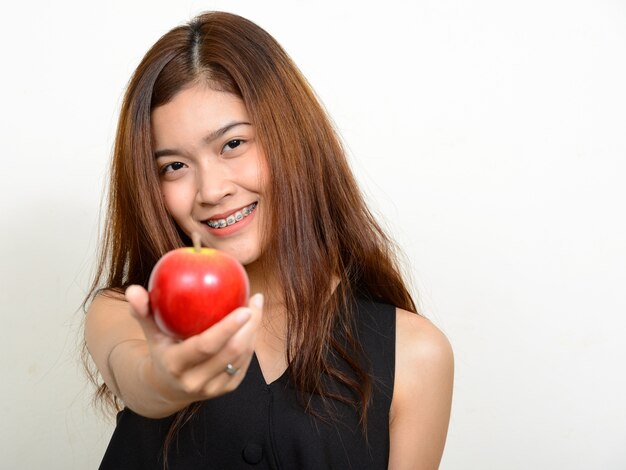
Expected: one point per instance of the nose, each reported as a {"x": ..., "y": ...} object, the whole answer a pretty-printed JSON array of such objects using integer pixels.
[{"x": 214, "y": 184}]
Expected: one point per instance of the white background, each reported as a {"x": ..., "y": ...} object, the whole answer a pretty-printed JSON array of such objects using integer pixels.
[{"x": 488, "y": 135}]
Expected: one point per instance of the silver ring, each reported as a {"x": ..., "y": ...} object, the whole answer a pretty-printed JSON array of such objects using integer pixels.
[{"x": 230, "y": 369}]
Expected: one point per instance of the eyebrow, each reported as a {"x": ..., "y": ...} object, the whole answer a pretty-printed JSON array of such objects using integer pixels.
[{"x": 210, "y": 137}]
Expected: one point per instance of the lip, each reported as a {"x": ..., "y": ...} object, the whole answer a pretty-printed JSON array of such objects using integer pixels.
[
  {"x": 230, "y": 229},
  {"x": 223, "y": 215}
]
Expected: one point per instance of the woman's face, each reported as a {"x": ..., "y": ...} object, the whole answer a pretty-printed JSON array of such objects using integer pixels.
[{"x": 212, "y": 171}]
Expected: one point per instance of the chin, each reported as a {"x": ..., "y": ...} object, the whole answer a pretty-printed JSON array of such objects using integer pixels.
[
  {"x": 245, "y": 255},
  {"x": 246, "y": 260}
]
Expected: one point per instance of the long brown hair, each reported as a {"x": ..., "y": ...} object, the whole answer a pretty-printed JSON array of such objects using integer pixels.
[{"x": 330, "y": 234}]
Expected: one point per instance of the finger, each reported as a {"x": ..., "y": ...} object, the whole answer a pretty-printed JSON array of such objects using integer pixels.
[
  {"x": 240, "y": 364},
  {"x": 256, "y": 305},
  {"x": 211, "y": 379},
  {"x": 235, "y": 348},
  {"x": 242, "y": 335},
  {"x": 139, "y": 302},
  {"x": 203, "y": 346},
  {"x": 251, "y": 328},
  {"x": 201, "y": 361}
]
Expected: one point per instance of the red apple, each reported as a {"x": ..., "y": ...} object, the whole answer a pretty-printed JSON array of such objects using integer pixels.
[{"x": 194, "y": 288}]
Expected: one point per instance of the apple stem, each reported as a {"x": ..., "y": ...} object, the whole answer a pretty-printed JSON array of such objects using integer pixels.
[{"x": 197, "y": 244}]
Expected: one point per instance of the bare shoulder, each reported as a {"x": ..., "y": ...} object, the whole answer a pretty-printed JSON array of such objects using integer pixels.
[
  {"x": 422, "y": 393},
  {"x": 108, "y": 307},
  {"x": 420, "y": 344},
  {"x": 108, "y": 296},
  {"x": 108, "y": 316}
]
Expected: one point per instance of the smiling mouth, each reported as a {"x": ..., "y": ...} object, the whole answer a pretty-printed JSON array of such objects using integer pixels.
[{"x": 233, "y": 218}]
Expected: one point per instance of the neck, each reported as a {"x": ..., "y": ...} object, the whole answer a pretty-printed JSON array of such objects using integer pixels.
[
  {"x": 266, "y": 283},
  {"x": 273, "y": 333}
]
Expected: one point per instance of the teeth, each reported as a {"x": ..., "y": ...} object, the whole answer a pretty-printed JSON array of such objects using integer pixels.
[{"x": 232, "y": 219}]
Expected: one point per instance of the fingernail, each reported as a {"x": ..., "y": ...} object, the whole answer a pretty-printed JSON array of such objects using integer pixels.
[
  {"x": 243, "y": 316},
  {"x": 257, "y": 301}
]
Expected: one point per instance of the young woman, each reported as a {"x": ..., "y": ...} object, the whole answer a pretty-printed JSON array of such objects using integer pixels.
[{"x": 329, "y": 366}]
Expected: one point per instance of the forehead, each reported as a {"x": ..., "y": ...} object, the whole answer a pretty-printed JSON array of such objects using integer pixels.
[{"x": 194, "y": 111}]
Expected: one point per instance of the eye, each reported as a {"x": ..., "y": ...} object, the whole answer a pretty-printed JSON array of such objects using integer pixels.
[
  {"x": 171, "y": 167},
  {"x": 232, "y": 145}
]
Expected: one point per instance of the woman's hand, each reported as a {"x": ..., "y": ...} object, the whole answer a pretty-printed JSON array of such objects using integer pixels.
[
  {"x": 195, "y": 369},
  {"x": 156, "y": 375}
]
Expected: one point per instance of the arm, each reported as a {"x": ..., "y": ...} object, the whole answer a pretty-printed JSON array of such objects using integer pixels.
[
  {"x": 155, "y": 375},
  {"x": 422, "y": 395}
]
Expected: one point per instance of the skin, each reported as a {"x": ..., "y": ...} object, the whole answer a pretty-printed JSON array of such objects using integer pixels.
[
  {"x": 203, "y": 174},
  {"x": 156, "y": 376}
]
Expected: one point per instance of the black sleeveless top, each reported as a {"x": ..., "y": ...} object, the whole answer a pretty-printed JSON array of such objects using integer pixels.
[{"x": 263, "y": 426}]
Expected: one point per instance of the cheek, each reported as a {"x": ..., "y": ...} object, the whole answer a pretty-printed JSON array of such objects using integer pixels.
[
  {"x": 178, "y": 199},
  {"x": 256, "y": 175}
]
